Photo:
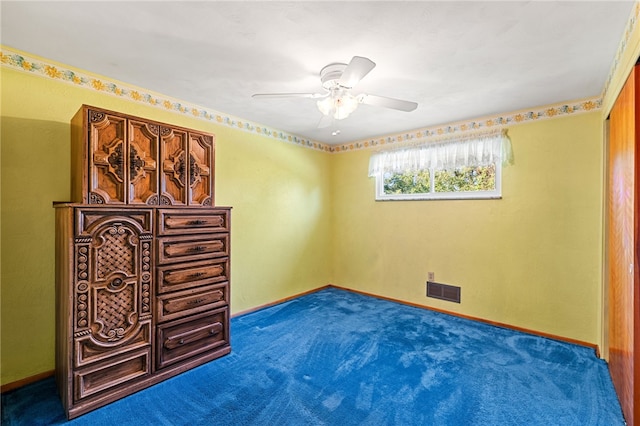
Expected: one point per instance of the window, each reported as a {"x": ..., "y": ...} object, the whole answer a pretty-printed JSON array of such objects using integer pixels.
[
  {"x": 428, "y": 184},
  {"x": 460, "y": 169}
]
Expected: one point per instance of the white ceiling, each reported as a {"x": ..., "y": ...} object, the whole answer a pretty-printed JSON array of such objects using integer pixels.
[{"x": 458, "y": 60}]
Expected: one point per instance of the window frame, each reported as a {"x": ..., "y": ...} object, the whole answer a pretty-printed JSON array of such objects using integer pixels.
[{"x": 495, "y": 194}]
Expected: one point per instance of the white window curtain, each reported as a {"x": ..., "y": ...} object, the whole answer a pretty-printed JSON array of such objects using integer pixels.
[{"x": 479, "y": 150}]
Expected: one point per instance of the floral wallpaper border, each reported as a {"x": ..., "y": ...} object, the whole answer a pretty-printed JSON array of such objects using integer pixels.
[
  {"x": 13, "y": 59},
  {"x": 464, "y": 127},
  {"x": 19, "y": 61},
  {"x": 622, "y": 47}
]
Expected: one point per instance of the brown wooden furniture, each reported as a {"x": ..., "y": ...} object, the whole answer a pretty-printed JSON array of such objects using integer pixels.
[
  {"x": 142, "y": 259},
  {"x": 120, "y": 159}
]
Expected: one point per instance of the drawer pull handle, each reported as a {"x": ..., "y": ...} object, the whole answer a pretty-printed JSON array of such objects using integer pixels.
[
  {"x": 196, "y": 301},
  {"x": 197, "y": 249},
  {"x": 196, "y": 222},
  {"x": 192, "y": 336},
  {"x": 197, "y": 275}
]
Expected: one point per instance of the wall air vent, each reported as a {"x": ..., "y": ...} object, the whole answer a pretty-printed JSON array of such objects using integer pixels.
[{"x": 443, "y": 291}]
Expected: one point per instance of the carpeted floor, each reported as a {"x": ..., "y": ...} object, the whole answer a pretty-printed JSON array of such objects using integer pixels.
[{"x": 339, "y": 358}]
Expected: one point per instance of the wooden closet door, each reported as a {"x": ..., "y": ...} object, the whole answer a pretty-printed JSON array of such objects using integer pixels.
[{"x": 623, "y": 282}]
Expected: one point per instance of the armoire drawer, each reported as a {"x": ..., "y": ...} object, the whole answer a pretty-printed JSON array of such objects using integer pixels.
[
  {"x": 181, "y": 222},
  {"x": 193, "y": 274},
  {"x": 191, "y": 336},
  {"x": 111, "y": 373},
  {"x": 90, "y": 350},
  {"x": 182, "y": 303},
  {"x": 195, "y": 247}
]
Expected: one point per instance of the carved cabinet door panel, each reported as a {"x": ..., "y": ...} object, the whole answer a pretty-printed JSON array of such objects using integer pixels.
[
  {"x": 122, "y": 159},
  {"x": 107, "y": 157},
  {"x": 175, "y": 167},
  {"x": 143, "y": 170},
  {"x": 201, "y": 148},
  {"x": 113, "y": 293}
]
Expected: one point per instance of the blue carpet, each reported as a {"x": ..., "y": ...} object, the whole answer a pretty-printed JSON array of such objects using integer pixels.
[{"x": 339, "y": 358}]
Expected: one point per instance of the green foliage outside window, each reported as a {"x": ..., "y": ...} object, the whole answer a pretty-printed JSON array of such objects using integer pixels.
[
  {"x": 481, "y": 178},
  {"x": 407, "y": 182}
]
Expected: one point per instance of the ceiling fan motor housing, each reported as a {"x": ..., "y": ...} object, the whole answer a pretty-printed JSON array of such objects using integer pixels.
[{"x": 330, "y": 75}]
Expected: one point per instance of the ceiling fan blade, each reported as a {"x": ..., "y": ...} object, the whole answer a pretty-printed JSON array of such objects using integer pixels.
[
  {"x": 325, "y": 121},
  {"x": 392, "y": 103},
  {"x": 355, "y": 71},
  {"x": 289, "y": 95}
]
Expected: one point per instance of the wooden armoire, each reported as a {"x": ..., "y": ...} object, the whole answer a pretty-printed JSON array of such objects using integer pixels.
[{"x": 142, "y": 259}]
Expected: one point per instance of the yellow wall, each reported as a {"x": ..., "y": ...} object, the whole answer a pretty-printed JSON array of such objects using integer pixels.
[
  {"x": 305, "y": 218},
  {"x": 531, "y": 259},
  {"x": 279, "y": 192}
]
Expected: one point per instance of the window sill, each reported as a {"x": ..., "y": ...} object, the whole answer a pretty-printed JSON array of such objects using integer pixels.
[{"x": 441, "y": 198}]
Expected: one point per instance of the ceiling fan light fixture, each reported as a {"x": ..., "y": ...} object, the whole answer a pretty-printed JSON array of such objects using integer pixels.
[
  {"x": 339, "y": 106},
  {"x": 345, "y": 105},
  {"x": 325, "y": 105}
]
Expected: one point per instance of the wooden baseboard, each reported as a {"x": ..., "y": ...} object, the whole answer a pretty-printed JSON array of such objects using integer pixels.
[
  {"x": 277, "y": 302},
  {"x": 26, "y": 381},
  {"x": 486, "y": 321}
]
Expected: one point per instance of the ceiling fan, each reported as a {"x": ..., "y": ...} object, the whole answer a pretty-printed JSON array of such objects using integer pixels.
[{"x": 338, "y": 102}]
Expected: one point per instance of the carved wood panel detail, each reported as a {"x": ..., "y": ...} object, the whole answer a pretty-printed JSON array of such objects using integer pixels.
[
  {"x": 174, "y": 166},
  {"x": 132, "y": 160},
  {"x": 82, "y": 286},
  {"x": 201, "y": 177},
  {"x": 115, "y": 311},
  {"x": 143, "y": 171},
  {"x": 108, "y": 159},
  {"x": 113, "y": 272},
  {"x": 115, "y": 251}
]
